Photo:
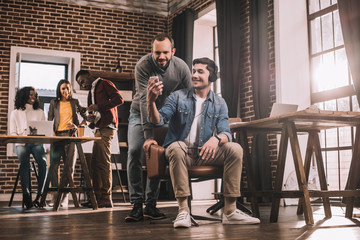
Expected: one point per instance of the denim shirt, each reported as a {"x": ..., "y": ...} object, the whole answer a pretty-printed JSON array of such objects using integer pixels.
[{"x": 179, "y": 111}]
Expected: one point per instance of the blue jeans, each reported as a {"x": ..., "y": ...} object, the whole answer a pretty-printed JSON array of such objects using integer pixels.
[
  {"x": 134, "y": 164},
  {"x": 23, "y": 154}
]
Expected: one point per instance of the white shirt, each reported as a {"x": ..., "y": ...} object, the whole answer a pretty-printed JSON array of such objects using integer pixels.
[
  {"x": 192, "y": 140},
  {"x": 19, "y": 119}
]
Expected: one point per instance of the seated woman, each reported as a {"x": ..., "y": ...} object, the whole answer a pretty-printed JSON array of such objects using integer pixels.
[
  {"x": 27, "y": 109},
  {"x": 63, "y": 110}
]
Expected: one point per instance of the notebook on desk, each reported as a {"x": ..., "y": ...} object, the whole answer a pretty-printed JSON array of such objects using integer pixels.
[
  {"x": 282, "y": 108},
  {"x": 44, "y": 128}
]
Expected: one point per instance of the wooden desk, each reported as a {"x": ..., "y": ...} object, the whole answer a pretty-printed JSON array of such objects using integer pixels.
[
  {"x": 311, "y": 122},
  {"x": 66, "y": 176}
]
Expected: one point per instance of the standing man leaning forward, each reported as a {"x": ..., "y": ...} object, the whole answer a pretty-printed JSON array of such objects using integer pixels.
[
  {"x": 193, "y": 117},
  {"x": 103, "y": 100},
  {"x": 174, "y": 74}
]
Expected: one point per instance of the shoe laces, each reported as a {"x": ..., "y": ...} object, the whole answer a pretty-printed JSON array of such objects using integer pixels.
[
  {"x": 181, "y": 216},
  {"x": 241, "y": 212}
]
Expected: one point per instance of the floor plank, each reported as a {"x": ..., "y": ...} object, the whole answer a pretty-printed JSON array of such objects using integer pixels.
[{"x": 82, "y": 223}]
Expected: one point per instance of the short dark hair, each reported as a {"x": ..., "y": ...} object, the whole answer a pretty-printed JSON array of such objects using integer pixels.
[
  {"x": 58, "y": 92},
  {"x": 80, "y": 73},
  {"x": 22, "y": 96},
  {"x": 161, "y": 37},
  {"x": 210, "y": 64}
]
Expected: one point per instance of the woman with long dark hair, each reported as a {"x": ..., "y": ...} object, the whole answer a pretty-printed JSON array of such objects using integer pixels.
[
  {"x": 63, "y": 110},
  {"x": 27, "y": 109}
]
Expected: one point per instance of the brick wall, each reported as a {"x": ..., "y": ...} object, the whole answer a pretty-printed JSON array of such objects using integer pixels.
[
  {"x": 100, "y": 35},
  {"x": 271, "y": 37}
]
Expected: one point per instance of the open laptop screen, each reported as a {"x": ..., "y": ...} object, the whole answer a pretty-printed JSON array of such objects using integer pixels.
[
  {"x": 44, "y": 128},
  {"x": 282, "y": 108}
]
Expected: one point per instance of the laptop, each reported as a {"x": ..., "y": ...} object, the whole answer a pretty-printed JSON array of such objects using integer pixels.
[
  {"x": 282, "y": 108},
  {"x": 44, "y": 128}
]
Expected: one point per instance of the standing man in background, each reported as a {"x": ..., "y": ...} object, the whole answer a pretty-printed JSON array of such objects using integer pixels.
[
  {"x": 103, "y": 100},
  {"x": 174, "y": 74}
]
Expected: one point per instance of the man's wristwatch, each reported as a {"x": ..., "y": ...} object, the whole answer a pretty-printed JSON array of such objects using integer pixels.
[{"x": 218, "y": 137}]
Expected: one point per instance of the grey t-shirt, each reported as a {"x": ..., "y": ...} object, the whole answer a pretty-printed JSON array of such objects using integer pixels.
[{"x": 176, "y": 76}]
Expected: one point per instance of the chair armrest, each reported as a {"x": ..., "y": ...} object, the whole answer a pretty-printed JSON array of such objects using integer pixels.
[{"x": 156, "y": 163}]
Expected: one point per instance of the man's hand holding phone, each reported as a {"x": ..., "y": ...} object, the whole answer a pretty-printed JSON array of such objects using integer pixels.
[{"x": 155, "y": 88}]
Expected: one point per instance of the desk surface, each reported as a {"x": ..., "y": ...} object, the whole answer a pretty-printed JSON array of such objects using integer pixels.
[
  {"x": 305, "y": 120},
  {"x": 5, "y": 139}
]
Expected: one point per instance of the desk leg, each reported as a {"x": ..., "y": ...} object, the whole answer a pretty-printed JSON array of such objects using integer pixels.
[
  {"x": 250, "y": 178},
  {"x": 86, "y": 175},
  {"x": 321, "y": 172},
  {"x": 300, "y": 172},
  {"x": 354, "y": 175},
  {"x": 307, "y": 163},
  {"x": 279, "y": 174},
  {"x": 313, "y": 146}
]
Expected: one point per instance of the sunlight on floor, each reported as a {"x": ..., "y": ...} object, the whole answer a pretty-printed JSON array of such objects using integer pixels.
[{"x": 337, "y": 227}]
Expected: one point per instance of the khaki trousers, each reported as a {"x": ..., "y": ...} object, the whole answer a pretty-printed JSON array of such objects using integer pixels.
[
  {"x": 101, "y": 163},
  {"x": 228, "y": 155}
]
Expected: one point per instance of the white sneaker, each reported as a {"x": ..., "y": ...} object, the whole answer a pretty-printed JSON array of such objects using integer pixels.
[
  {"x": 239, "y": 217},
  {"x": 183, "y": 219}
]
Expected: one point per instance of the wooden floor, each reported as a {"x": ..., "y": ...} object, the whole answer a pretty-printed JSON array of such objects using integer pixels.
[{"x": 82, "y": 223}]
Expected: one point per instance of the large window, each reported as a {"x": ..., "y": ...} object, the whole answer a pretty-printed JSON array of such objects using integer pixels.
[
  {"x": 331, "y": 86},
  {"x": 43, "y": 76}
]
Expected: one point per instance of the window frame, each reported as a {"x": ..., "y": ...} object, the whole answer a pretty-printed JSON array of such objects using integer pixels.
[
  {"x": 336, "y": 94},
  {"x": 344, "y": 91}
]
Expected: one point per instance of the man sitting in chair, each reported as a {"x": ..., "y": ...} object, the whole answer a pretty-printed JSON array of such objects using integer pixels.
[{"x": 193, "y": 116}]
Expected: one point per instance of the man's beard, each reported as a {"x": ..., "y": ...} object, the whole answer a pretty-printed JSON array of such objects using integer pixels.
[{"x": 165, "y": 66}]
